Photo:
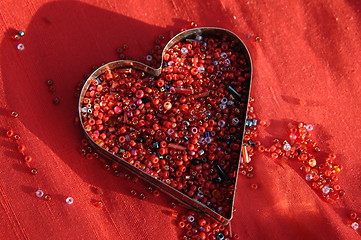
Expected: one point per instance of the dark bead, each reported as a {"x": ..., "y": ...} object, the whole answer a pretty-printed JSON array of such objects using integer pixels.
[
  {"x": 220, "y": 236},
  {"x": 56, "y": 100},
  {"x": 195, "y": 161},
  {"x": 251, "y": 143}
]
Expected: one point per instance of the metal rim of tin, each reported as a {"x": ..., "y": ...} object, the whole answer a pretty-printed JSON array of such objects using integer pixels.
[{"x": 181, "y": 197}]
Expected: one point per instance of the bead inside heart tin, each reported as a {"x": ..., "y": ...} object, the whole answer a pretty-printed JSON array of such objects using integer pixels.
[{"x": 180, "y": 126}]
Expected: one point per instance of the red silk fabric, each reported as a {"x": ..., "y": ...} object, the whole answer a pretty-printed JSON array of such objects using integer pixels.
[{"x": 306, "y": 68}]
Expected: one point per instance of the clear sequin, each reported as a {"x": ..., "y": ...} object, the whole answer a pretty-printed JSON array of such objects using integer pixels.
[
  {"x": 20, "y": 46},
  {"x": 39, "y": 193},
  {"x": 69, "y": 200}
]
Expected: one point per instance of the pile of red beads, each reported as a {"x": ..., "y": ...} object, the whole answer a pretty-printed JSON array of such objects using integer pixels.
[
  {"x": 322, "y": 175},
  {"x": 198, "y": 226},
  {"x": 183, "y": 128}
]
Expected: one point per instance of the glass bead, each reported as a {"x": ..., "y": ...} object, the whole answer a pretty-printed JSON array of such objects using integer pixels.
[
  {"x": 20, "y": 47},
  {"x": 221, "y": 123},
  {"x": 220, "y": 236},
  {"x": 224, "y": 100},
  {"x": 223, "y": 55},
  {"x": 56, "y": 100},
  {"x": 235, "y": 121},
  {"x": 69, "y": 200},
  {"x": 309, "y": 127},
  {"x": 148, "y": 58},
  {"x": 199, "y": 38},
  {"x": 190, "y": 219},
  {"x": 355, "y": 225},
  {"x": 142, "y": 196},
  {"x": 47, "y": 197},
  {"x": 222, "y": 106},
  {"x": 201, "y": 69},
  {"x": 39, "y": 193},
  {"x": 184, "y": 50},
  {"x": 326, "y": 189},
  {"x": 21, "y": 33},
  {"x": 34, "y": 171},
  {"x": 14, "y": 114},
  {"x": 309, "y": 177},
  {"x": 286, "y": 147}
]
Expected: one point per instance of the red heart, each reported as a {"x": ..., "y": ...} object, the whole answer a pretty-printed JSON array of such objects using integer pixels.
[{"x": 180, "y": 126}]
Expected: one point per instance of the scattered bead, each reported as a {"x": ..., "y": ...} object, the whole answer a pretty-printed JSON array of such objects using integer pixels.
[
  {"x": 20, "y": 47},
  {"x": 50, "y": 82},
  {"x": 355, "y": 225},
  {"x": 9, "y": 133},
  {"x": 39, "y": 193},
  {"x": 14, "y": 114},
  {"x": 47, "y": 197},
  {"x": 21, "y": 33},
  {"x": 258, "y": 39},
  {"x": 142, "y": 196},
  {"x": 56, "y": 100},
  {"x": 16, "y": 37},
  {"x": 69, "y": 200},
  {"x": 98, "y": 204},
  {"x": 34, "y": 171},
  {"x": 28, "y": 159},
  {"x": 254, "y": 186}
]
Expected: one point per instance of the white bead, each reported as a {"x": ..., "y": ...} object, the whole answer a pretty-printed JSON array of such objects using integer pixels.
[
  {"x": 326, "y": 189},
  {"x": 201, "y": 69},
  {"x": 199, "y": 37},
  {"x": 184, "y": 50},
  {"x": 355, "y": 225},
  {"x": 21, "y": 46},
  {"x": 148, "y": 58},
  {"x": 309, "y": 177},
  {"x": 309, "y": 127},
  {"x": 39, "y": 193},
  {"x": 69, "y": 200},
  {"x": 223, "y": 55},
  {"x": 287, "y": 147}
]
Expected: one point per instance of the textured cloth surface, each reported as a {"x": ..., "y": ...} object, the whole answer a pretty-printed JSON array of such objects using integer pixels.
[{"x": 306, "y": 68}]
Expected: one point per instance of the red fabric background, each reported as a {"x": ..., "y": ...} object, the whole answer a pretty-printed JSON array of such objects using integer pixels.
[{"x": 309, "y": 54}]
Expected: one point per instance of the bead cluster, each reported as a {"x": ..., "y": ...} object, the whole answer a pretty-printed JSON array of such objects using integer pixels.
[
  {"x": 183, "y": 128},
  {"x": 322, "y": 175},
  {"x": 17, "y": 37},
  {"x": 356, "y": 220}
]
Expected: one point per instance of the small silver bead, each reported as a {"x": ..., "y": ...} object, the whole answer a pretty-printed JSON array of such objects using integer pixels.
[
  {"x": 21, "y": 46},
  {"x": 69, "y": 200},
  {"x": 39, "y": 193}
]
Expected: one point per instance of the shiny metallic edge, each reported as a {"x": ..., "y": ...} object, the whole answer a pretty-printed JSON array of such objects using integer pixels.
[{"x": 204, "y": 32}]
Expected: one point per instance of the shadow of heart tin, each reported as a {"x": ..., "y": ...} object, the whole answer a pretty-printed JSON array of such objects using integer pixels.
[{"x": 190, "y": 117}]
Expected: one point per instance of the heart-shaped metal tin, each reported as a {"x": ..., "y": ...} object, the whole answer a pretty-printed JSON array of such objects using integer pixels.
[{"x": 188, "y": 34}]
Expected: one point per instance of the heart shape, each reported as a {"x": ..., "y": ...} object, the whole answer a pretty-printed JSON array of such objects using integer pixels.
[{"x": 180, "y": 126}]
